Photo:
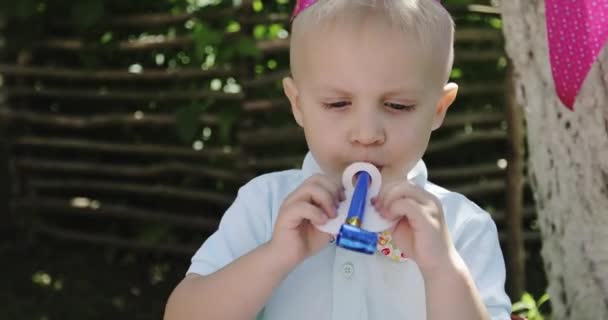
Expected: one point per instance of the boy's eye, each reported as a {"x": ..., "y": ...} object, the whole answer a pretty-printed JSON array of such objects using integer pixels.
[
  {"x": 339, "y": 104},
  {"x": 399, "y": 107}
]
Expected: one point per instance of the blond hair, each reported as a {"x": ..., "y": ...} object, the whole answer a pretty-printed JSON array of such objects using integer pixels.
[{"x": 426, "y": 20}]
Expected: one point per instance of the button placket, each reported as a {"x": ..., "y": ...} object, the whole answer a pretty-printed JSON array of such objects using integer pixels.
[{"x": 348, "y": 269}]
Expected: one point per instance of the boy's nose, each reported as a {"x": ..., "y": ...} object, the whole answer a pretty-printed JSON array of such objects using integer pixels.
[{"x": 368, "y": 131}]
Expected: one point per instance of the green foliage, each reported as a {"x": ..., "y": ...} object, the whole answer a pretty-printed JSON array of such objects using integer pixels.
[
  {"x": 529, "y": 307},
  {"x": 86, "y": 13},
  {"x": 204, "y": 37},
  {"x": 187, "y": 118}
]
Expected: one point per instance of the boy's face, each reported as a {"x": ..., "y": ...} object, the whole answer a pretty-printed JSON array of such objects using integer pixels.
[{"x": 365, "y": 93}]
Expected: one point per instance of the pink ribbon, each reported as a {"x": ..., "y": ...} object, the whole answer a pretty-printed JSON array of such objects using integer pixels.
[
  {"x": 300, "y": 6},
  {"x": 577, "y": 31}
]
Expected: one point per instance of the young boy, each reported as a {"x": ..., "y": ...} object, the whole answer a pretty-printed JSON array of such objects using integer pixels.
[{"x": 369, "y": 83}]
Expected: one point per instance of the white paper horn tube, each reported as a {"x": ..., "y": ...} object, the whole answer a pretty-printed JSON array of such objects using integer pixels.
[{"x": 372, "y": 221}]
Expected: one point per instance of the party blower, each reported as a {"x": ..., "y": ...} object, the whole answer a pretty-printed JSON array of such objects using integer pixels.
[
  {"x": 357, "y": 225},
  {"x": 351, "y": 236}
]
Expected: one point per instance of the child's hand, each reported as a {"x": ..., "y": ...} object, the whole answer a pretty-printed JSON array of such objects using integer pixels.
[
  {"x": 421, "y": 232},
  {"x": 313, "y": 202}
]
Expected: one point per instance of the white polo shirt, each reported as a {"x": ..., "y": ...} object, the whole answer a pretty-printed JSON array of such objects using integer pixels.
[{"x": 339, "y": 284}]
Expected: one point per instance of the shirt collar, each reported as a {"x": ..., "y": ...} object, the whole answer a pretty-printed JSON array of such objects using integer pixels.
[{"x": 418, "y": 175}]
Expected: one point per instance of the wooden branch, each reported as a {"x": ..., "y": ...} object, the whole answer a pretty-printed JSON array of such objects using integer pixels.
[
  {"x": 157, "y": 19},
  {"x": 277, "y": 104},
  {"x": 149, "y": 44},
  {"x": 146, "y": 44},
  {"x": 477, "y": 35},
  {"x": 124, "y": 148},
  {"x": 133, "y": 21},
  {"x": 266, "y": 79},
  {"x": 57, "y": 206},
  {"x": 266, "y": 136},
  {"x": 67, "y": 234},
  {"x": 528, "y": 237},
  {"x": 453, "y": 120},
  {"x": 468, "y": 56},
  {"x": 501, "y": 216},
  {"x": 463, "y": 172},
  {"x": 465, "y": 138},
  {"x": 106, "y": 120},
  {"x": 479, "y": 189},
  {"x": 515, "y": 187},
  {"x": 148, "y": 20},
  {"x": 273, "y": 163},
  {"x": 132, "y": 95},
  {"x": 161, "y": 19},
  {"x": 470, "y": 34},
  {"x": 266, "y": 105},
  {"x": 264, "y": 19},
  {"x": 470, "y": 89},
  {"x": 292, "y": 134},
  {"x": 125, "y": 170},
  {"x": 273, "y": 46},
  {"x": 81, "y": 74},
  {"x": 84, "y": 185}
]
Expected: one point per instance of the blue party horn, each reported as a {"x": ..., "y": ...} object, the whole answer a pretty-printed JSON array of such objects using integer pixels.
[{"x": 351, "y": 236}]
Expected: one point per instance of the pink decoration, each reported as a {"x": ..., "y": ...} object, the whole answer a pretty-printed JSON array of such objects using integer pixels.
[
  {"x": 300, "y": 6},
  {"x": 577, "y": 31}
]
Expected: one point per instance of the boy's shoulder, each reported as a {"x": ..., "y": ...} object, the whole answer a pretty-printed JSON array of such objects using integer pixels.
[
  {"x": 460, "y": 212},
  {"x": 275, "y": 184}
]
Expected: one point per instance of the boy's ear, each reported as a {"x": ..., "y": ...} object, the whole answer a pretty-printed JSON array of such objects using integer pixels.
[
  {"x": 448, "y": 96},
  {"x": 289, "y": 87}
]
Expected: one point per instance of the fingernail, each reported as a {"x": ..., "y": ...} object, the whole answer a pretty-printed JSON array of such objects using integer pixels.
[{"x": 383, "y": 213}]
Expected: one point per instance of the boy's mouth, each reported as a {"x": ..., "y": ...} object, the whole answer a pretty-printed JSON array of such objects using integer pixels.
[{"x": 378, "y": 166}]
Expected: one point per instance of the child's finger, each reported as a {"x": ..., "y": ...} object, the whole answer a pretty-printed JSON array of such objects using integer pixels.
[
  {"x": 316, "y": 182},
  {"x": 403, "y": 190},
  {"x": 389, "y": 194},
  {"x": 417, "y": 215},
  {"x": 332, "y": 187},
  {"x": 306, "y": 211},
  {"x": 318, "y": 196},
  {"x": 401, "y": 208}
]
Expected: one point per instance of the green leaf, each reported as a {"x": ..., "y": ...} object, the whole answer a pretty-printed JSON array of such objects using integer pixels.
[
  {"x": 247, "y": 47},
  {"x": 205, "y": 36},
  {"x": 520, "y": 306},
  {"x": 154, "y": 234},
  {"x": 528, "y": 299},
  {"x": 86, "y": 13},
  {"x": 24, "y": 8},
  {"x": 187, "y": 121},
  {"x": 227, "y": 119},
  {"x": 544, "y": 298}
]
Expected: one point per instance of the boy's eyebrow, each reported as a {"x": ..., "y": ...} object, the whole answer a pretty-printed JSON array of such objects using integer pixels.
[
  {"x": 402, "y": 90},
  {"x": 390, "y": 92}
]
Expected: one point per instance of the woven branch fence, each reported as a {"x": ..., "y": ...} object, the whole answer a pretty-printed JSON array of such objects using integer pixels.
[{"x": 113, "y": 144}]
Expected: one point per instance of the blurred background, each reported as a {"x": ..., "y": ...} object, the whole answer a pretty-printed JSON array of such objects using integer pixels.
[{"x": 126, "y": 128}]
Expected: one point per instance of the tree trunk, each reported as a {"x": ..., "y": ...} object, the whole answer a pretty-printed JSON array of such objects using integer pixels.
[{"x": 568, "y": 161}]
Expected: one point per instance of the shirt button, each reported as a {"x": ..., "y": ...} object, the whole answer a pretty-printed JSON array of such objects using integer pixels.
[{"x": 347, "y": 270}]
